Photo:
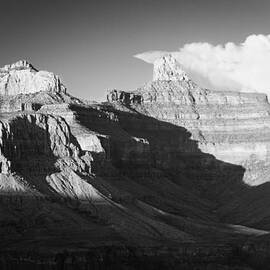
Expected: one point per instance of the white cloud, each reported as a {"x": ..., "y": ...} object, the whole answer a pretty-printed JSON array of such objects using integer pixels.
[
  {"x": 241, "y": 67},
  {"x": 151, "y": 56}
]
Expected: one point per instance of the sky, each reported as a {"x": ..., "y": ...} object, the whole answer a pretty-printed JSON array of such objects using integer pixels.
[{"x": 90, "y": 44}]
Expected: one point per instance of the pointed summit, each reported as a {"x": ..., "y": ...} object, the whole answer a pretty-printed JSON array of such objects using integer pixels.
[
  {"x": 167, "y": 68},
  {"x": 19, "y": 65}
]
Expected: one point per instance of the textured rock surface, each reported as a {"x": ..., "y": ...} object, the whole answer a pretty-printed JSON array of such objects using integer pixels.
[
  {"x": 22, "y": 78},
  {"x": 234, "y": 127},
  {"x": 165, "y": 165},
  {"x": 124, "y": 97},
  {"x": 167, "y": 68},
  {"x": 35, "y": 145}
]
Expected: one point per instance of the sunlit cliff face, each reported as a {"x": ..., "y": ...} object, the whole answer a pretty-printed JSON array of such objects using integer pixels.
[{"x": 232, "y": 126}]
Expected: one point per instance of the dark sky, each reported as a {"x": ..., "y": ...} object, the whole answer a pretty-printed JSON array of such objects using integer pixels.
[{"x": 91, "y": 44}]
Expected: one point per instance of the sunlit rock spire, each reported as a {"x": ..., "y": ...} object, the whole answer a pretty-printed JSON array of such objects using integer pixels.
[{"x": 167, "y": 68}]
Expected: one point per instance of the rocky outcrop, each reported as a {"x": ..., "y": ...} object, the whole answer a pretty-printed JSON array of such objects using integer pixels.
[
  {"x": 39, "y": 146},
  {"x": 22, "y": 78},
  {"x": 231, "y": 126},
  {"x": 167, "y": 68},
  {"x": 124, "y": 97}
]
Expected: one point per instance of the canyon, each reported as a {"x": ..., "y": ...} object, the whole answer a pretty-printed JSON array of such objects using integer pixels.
[{"x": 167, "y": 175}]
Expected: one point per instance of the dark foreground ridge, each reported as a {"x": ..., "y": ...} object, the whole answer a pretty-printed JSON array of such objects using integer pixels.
[
  {"x": 182, "y": 257},
  {"x": 168, "y": 176}
]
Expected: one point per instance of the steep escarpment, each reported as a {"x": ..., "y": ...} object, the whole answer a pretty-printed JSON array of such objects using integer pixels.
[
  {"x": 24, "y": 88},
  {"x": 22, "y": 78},
  {"x": 232, "y": 127},
  {"x": 34, "y": 146},
  {"x": 44, "y": 161},
  {"x": 170, "y": 168}
]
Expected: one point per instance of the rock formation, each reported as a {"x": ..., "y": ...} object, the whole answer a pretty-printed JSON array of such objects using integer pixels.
[
  {"x": 167, "y": 68},
  {"x": 22, "y": 78},
  {"x": 24, "y": 88},
  {"x": 233, "y": 126},
  {"x": 170, "y": 168},
  {"x": 34, "y": 145},
  {"x": 124, "y": 97}
]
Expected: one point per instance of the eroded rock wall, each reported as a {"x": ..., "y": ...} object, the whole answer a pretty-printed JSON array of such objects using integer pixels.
[
  {"x": 232, "y": 126},
  {"x": 39, "y": 146}
]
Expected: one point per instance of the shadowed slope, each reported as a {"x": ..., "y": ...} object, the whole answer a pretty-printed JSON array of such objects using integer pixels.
[
  {"x": 160, "y": 164},
  {"x": 132, "y": 179}
]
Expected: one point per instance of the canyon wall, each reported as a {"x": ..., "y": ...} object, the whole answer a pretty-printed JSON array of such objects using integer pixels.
[
  {"x": 38, "y": 150},
  {"x": 169, "y": 165},
  {"x": 232, "y": 126}
]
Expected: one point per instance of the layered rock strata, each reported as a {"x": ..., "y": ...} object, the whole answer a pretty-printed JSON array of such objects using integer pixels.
[
  {"x": 233, "y": 126},
  {"x": 164, "y": 165}
]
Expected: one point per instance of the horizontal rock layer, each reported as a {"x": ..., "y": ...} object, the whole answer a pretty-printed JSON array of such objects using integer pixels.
[
  {"x": 163, "y": 165},
  {"x": 234, "y": 127}
]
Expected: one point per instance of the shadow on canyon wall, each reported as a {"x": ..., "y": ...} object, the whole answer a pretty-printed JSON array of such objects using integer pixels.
[
  {"x": 28, "y": 147},
  {"x": 160, "y": 157},
  {"x": 155, "y": 153},
  {"x": 143, "y": 147}
]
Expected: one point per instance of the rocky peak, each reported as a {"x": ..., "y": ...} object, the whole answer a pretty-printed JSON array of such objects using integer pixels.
[
  {"x": 19, "y": 65},
  {"x": 170, "y": 82},
  {"x": 167, "y": 68},
  {"x": 22, "y": 78}
]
